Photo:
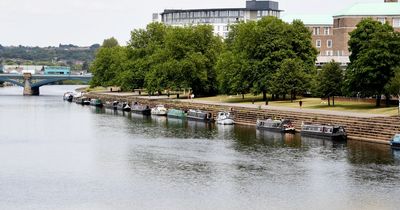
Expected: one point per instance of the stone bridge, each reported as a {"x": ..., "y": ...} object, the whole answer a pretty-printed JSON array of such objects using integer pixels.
[{"x": 32, "y": 83}]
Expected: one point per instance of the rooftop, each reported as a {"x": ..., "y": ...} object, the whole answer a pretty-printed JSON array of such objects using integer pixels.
[
  {"x": 310, "y": 19},
  {"x": 372, "y": 9},
  {"x": 251, "y": 5}
]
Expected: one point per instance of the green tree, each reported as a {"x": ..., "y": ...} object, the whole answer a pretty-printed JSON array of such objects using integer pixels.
[
  {"x": 291, "y": 78},
  {"x": 268, "y": 42},
  {"x": 393, "y": 87},
  {"x": 234, "y": 73},
  {"x": 110, "y": 43},
  {"x": 108, "y": 65},
  {"x": 329, "y": 81},
  {"x": 142, "y": 49},
  {"x": 375, "y": 53},
  {"x": 186, "y": 59}
]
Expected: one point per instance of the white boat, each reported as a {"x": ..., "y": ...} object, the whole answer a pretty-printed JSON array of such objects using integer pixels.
[
  {"x": 225, "y": 118},
  {"x": 159, "y": 110}
]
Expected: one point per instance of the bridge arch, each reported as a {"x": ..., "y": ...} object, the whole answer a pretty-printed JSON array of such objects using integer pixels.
[
  {"x": 15, "y": 82},
  {"x": 52, "y": 80}
]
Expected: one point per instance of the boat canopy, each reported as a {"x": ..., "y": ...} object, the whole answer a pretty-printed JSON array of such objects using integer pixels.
[{"x": 396, "y": 138}]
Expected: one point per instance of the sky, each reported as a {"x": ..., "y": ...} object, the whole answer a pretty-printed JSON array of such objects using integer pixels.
[{"x": 85, "y": 22}]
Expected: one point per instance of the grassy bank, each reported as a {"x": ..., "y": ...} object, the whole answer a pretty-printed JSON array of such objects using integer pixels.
[{"x": 309, "y": 103}]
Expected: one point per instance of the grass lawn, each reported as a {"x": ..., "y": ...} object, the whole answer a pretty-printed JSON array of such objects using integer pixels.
[{"x": 308, "y": 103}]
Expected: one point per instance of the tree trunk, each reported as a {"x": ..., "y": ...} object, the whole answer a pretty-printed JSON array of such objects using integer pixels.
[
  {"x": 329, "y": 100},
  {"x": 387, "y": 96},
  {"x": 291, "y": 96},
  {"x": 273, "y": 97},
  {"x": 333, "y": 100},
  {"x": 264, "y": 95},
  {"x": 284, "y": 97},
  {"x": 243, "y": 96},
  {"x": 378, "y": 100}
]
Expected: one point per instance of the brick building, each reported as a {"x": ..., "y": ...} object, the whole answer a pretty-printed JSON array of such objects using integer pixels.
[
  {"x": 347, "y": 20},
  {"x": 331, "y": 34}
]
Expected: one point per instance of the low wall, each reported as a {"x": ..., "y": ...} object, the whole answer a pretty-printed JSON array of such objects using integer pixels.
[{"x": 376, "y": 130}]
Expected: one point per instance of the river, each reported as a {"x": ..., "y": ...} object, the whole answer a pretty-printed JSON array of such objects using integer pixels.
[{"x": 57, "y": 155}]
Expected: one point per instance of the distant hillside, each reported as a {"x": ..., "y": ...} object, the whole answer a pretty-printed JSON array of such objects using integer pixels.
[{"x": 70, "y": 55}]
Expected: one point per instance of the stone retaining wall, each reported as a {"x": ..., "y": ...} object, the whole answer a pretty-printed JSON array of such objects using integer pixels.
[{"x": 377, "y": 130}]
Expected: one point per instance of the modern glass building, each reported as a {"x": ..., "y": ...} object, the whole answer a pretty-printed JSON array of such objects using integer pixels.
[{"x": 221, "y": 18}]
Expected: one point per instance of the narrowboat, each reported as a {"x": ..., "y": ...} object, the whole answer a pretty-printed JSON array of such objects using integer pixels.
[
  {"x": 176, "y": 113},
  {"x": 159, "y": 110},
  {"x": 200, "y": 115},
  {"x": 82, "y": 101},
  {"x": 68, "y": 96},
  {"x": 140, "y": 109},
  {"x": 96, "y": 102},
  {"x": 395, "y": 143},
  {"x": 225, "y": 118},
  {"x": 124, "y": 107},
  {"x": 111, "y": 105},
  {"x": 283, "y": 126},
  {"x": 324, "y": 131}
]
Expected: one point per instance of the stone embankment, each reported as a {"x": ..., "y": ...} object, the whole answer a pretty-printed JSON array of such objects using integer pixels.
[{"x": 376, "y": 129}]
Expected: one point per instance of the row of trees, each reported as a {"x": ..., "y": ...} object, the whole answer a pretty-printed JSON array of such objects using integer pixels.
[
  {"x": 255, "y": 59},
  {"x": 267, "y": 56}
]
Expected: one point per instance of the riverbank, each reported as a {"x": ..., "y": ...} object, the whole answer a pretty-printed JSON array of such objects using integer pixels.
[{"x": 359, "y": 126}]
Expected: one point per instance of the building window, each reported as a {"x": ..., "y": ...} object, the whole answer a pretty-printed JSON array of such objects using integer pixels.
[
  {"x": 396, "y": 22},
  {"x": 329, "y": 43},
  {"x": 327, "y": 31},
  {"x": 382, "y": 20},
  {"x": 329, "y": 53},
  {"x": 318, "y": 44},
  {"x": 316, "y": 31}
]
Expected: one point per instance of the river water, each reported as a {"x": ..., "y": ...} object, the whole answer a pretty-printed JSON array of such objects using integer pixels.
[{"x": 57, "y": 155}]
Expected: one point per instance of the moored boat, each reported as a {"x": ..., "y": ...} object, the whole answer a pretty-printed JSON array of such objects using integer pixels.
[
  {"x": 82, "y": 101},
  {"x": 225, "y": 118},
  {"x": 124, "y": 107},
  {"x": 111, "y": 105},
  {"x": 68, "y": 96},
  {"x": 200, "y": 115},
  {"x": 283, "y": 126},
  {"x": 96, "y": 102},
  {"x": 324, "y": 131},
  {"x": 140, "y": 109},
  {"x": 395, "y": 143},
  {"x": 159, "y": 110},
  {"x": 176, "y": 113}
]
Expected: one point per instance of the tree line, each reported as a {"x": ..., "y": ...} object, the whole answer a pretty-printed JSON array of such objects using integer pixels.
[
  {"x": 268, "y": 57},
  {"x": 22, "y": 55}
]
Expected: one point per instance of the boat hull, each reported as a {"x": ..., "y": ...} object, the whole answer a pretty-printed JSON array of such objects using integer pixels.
[
  {"x": 395, "y": 145},
  {"x": 226, "y": 122},
  {"x": 200, "y": 119},
  {"x": 339, "y": 136},
  {"x": 279, "y": 130},
  {"x": 146, "y": 112}
]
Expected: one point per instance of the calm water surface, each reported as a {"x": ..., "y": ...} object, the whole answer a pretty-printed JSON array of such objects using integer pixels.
[{"x": 56, "y": 155}]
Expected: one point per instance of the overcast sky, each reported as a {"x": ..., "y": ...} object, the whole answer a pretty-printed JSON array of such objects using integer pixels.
[{"x": 84, "y": 22}]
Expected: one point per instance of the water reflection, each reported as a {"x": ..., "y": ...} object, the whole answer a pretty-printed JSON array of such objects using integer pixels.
[
  {"x": 78, "y": 157},
  {"x": 368, "y": 153}
]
